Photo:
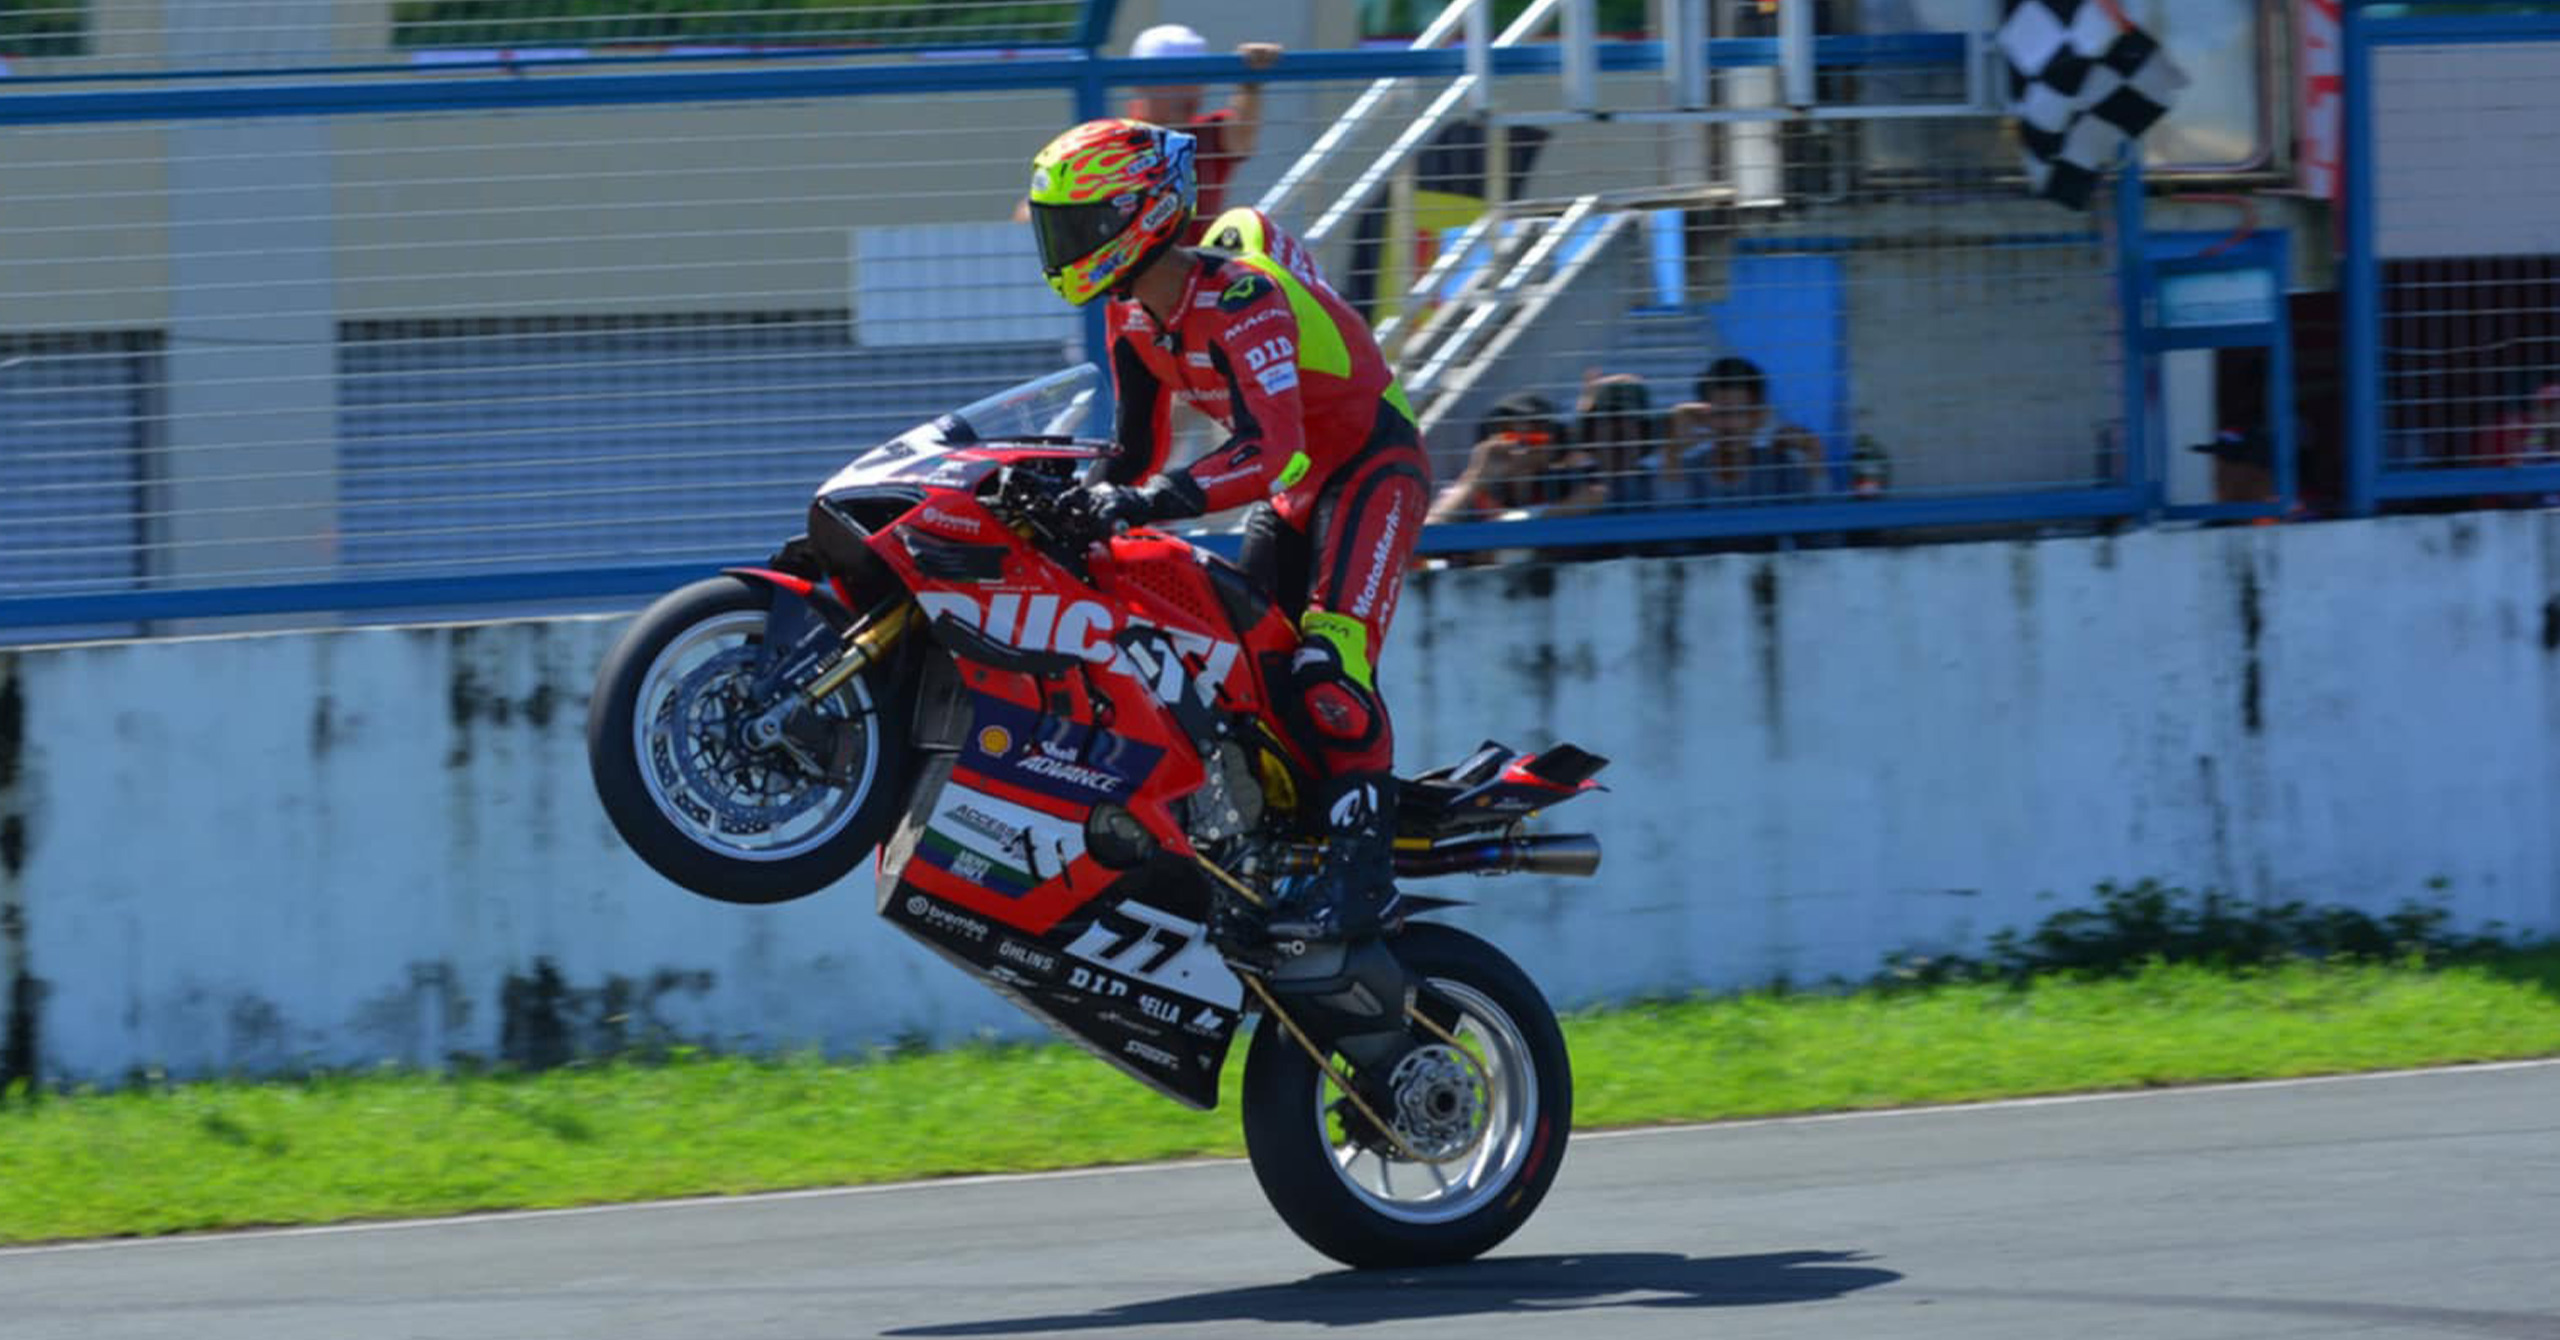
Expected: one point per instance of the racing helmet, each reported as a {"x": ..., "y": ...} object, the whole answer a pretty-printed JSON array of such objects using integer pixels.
[{"x": 1106, "y": 197}]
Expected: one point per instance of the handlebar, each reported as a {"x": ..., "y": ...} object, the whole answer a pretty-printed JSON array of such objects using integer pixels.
[{"x": 1047, "y": 507}]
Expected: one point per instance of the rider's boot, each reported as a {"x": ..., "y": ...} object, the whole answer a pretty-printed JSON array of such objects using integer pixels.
[{"x": 1355, "y": 879}]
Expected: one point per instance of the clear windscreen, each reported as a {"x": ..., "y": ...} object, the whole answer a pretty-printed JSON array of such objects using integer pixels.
[{"x": 1056, "y": 405}]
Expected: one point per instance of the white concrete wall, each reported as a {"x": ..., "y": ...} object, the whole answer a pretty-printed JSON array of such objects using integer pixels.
[
  {"x": 1825, "y": 757},
  {"x": 348, "y": 847}
]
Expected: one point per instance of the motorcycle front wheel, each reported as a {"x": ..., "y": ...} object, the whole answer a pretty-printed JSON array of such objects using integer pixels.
[
  {"x": 700, "y": 802},
  {"x": 1489, "y": 1116}
]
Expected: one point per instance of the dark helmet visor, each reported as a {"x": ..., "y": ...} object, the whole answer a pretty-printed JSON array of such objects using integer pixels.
[{"x": 1069, "y": 233}]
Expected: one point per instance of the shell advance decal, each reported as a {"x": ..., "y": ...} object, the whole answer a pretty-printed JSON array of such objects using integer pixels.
[{"x": 1052, "y": 756}]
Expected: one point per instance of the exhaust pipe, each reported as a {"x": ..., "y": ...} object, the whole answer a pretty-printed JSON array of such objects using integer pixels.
[{"x": 1575, "y": 854}]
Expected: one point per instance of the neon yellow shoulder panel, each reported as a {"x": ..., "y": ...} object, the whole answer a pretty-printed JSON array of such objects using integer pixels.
[
  {"x": 1321, "y": 347},
  {"x": 1244, "y": 226}
]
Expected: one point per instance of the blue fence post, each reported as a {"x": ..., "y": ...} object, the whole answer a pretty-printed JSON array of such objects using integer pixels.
[
  {"x": 1096, "y": 26},
  {"x": 2135, "y": 451},
  {"x": 2281, "y": 394},
  {"x": 2362, "y": 278}
]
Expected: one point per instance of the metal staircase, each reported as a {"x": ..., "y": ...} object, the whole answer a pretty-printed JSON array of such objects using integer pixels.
[
  {"x": 1479, "y": 302},
  {"x": 1523, "y": 263},
  {"x": 1502, "y": 272}
]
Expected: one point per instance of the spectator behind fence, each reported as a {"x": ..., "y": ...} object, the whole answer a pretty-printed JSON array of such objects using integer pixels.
[
  {"x": 1621, "y": 442},
  {"x": 1226, "y": 136},
  {"x": 1732, "y": 445},
  {"x": 1520, "y": 466},
  {"x": 2528, "y": 433}
]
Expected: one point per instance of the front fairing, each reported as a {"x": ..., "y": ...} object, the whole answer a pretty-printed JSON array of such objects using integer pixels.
[{"x": 990, "y": 867}]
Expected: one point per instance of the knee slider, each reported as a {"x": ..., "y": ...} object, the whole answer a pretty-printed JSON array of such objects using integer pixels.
[
  {"x": 1338, "y": 706},
  {"x": 1338, "y": 709}
]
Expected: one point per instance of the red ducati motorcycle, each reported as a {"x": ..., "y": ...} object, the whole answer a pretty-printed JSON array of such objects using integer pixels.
[{"x": 1064, "y": 748}]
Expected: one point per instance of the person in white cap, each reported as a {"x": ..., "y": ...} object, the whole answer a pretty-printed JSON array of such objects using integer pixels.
[{"x": 1226, "y": 136}]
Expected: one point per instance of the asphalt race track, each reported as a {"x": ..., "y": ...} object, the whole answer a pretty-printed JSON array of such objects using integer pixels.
[{"x": 2401, "y": 1205}]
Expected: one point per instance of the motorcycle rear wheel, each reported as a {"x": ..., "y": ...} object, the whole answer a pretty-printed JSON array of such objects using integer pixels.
[
  {"x": 1369, "y": 1208},
  {"x": 697, "y": 803}
]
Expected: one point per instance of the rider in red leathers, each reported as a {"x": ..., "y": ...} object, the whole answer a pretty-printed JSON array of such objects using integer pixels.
[{"x": 1323, "y": 447}]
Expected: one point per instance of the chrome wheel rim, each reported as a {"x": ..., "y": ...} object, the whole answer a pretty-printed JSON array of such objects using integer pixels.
[
  {"x": 745, "y": 803},
  {"x": 1474, "y": 1142}
]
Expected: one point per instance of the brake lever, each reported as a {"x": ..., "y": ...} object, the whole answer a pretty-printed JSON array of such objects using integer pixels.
[
  {"x": 1048, "y": 515},
  {"x": 1022, "y": 500}
]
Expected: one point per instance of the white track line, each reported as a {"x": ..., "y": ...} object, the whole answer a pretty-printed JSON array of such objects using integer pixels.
[
  {"x": 2067, "y": 1099},
  {"x": 1066, "y": 1174}
]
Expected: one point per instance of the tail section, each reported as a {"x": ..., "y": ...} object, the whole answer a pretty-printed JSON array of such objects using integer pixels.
[{"x": 1493, "y": 786}]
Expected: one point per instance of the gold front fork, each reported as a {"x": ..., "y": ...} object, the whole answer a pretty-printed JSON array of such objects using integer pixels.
[{"x": 862, "y": 650}]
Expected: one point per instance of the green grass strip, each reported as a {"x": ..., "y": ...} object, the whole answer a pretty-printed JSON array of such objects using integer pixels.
[{"x": 337, "y": 1147}]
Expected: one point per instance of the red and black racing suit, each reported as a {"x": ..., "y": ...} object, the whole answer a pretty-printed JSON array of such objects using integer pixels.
[{"x": 1321, "y": 432}]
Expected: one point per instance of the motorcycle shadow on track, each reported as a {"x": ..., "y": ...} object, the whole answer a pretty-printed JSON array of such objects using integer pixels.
[{"x": 1488, "y": 1286}]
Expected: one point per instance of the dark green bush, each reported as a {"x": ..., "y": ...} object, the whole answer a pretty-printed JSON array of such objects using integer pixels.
[{"x": 2149, "y": 922}]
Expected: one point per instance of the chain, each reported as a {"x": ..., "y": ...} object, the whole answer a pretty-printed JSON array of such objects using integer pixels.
[
  {"x": 1241, "y": 889},
  {"x": 1326, "y": 1064}
]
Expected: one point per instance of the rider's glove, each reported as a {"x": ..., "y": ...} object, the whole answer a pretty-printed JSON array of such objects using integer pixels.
[{"x": 1167, "y": 497}]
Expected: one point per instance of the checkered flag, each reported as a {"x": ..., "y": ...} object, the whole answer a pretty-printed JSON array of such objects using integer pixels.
[{"x": 2082, "y": 81}]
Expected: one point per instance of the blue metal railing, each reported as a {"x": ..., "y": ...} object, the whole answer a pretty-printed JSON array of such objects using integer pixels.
[
  {"x": 510, "y": 87},
  {"x": 672, "y": 79},
  {"x": 1092, "y": 24}
]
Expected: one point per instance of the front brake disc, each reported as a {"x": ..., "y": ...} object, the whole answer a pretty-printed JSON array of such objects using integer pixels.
[{"x": 703, "y": 729}]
